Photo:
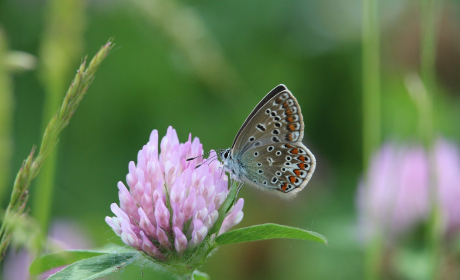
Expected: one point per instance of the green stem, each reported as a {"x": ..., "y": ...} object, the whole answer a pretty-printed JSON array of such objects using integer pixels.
[
  {"x": 42, "y": 203},
  {"x": 6, "y": 112},
  {"x": 429, "y": 16},
  {"x": 371, "y": 79},
  {"x": 371, "y": 114},
  {"x": 429, "y": 22}
]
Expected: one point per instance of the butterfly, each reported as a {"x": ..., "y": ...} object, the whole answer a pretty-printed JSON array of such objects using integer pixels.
[{"x": 267, "y": 151}]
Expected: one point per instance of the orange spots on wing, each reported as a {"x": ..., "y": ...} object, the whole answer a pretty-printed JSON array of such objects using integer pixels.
[
  {"x": 301, "y": 158},
  {"x": 285, "y": 105},
  {"x": 292, "y": 179},
  {"x": 291, "y": 127},
  {"x": 288, "y": 112},
  {"x": 294, "y": 151},
  {"x": 290, "y": 119},
  {"x": 278, "y": 101},
  {"x": 284, "y": 186},
  {"x": 287, "y": 146},
  {"x": 297, "y": 172},
  {"x": 289, "y": 137},
  {"x": 301, "y": 165}
]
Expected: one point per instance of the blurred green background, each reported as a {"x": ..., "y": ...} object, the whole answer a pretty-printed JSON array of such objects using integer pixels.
[{"x": 202, "y": 66}]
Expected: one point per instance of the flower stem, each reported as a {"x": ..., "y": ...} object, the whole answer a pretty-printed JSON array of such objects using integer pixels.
[
  {"x": 6, "y": 112},
  {"x": 371, "y": 79},
  {"x": 371, "y": 114},
  {"x": 429, "y": 21}
]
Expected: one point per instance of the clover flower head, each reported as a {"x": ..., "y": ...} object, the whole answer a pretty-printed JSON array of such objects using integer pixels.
[
  {"x": 395, "y": 194},
  {"x": 447, "y": 159},
  {"x": 171, "y": 203}
]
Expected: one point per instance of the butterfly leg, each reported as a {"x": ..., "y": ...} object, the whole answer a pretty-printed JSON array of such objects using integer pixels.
[
  {"x": 222, "y": 172},
  {"x": 240, "y": 185}
]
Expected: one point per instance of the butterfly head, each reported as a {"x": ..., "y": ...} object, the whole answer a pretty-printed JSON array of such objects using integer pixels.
[
  {"x": 227, "y": 159},
  {"x": 224, "y": 154},
  {"x": 231, "y": 164}
]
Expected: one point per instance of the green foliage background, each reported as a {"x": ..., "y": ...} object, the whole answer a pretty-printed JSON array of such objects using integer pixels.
[{"x": 149, "y": 81}]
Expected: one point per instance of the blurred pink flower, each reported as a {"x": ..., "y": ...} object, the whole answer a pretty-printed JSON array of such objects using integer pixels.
[
  {"x": 63, "y": 234},
  {"x": 171, "y": 204},
  {"x": 395, "y": 196},
  {"x": 447, "y": 158}
]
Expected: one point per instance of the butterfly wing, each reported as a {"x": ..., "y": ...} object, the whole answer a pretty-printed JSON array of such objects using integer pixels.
[
  {"x": 276, "y": 119},
  {"x": 285, "y": 168}
]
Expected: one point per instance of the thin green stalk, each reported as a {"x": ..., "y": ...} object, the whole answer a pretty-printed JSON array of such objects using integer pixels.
[
  {"x": 429, "y": 16},
  {"x": 61, "y": 47},
  {"x": 6, "y": 112},
  {"x": 190, "y": 35},
  {"x": 371, "y": 79},
  {"x": 430, "y": 10},
  {"x": 371, "y": 115},
  {"x": 32, "y": 165}
]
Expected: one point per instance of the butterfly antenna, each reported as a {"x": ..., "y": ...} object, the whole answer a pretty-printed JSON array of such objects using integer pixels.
[
  {"x": 189, "y": 159},
  {"x": 208, "y": 161}
]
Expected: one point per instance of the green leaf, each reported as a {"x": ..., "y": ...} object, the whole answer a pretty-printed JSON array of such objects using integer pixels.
[
  {"x": 95, "y": 267},
  {"x": 268, "y": 231},
  {"x": 224, "y": 208},
  {"x": 47, "y": 262},
  {"x": 198, "y": 275}
]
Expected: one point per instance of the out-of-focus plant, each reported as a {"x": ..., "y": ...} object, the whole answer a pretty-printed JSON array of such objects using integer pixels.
[
  {"x": 371, "y": 111},
  {"x": 32, "y": 165},
  {"x": 60, "y": 49},
  {"x": 6, "y": 108},
  {"x": 10, "y": 62},
  {"x": 63, "y": 235},
  {"x": 190, "y": 35},
  {"x": 395, "y": 197},
  {"x": 175, "y": 213},
  {"x": 408, "y": 168}
]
